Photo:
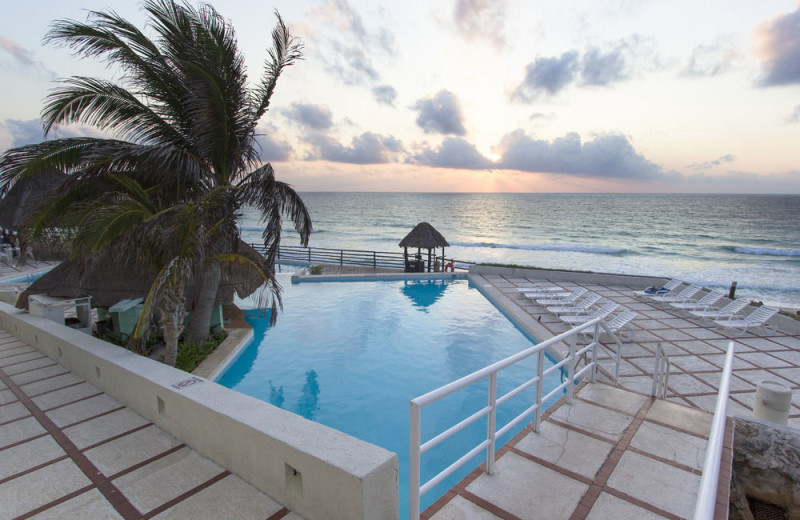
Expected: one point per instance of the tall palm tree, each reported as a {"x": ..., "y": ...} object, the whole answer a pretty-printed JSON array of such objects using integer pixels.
[{"x": 183, "y": 121}]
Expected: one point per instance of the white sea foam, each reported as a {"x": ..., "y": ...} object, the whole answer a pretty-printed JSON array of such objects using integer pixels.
[
  {"x": 766, "y": 251},
  {"x": 573, "y": 248}
]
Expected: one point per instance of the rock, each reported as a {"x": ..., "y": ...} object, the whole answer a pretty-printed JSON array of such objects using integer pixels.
[{"x": 766, "y": 464}]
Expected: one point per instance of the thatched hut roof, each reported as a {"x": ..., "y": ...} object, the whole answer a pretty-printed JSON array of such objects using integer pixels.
[
  {"x": 108, "y": 281},
  {"x": 424, "y": 236},
  {"x": 25, "y": 195}
]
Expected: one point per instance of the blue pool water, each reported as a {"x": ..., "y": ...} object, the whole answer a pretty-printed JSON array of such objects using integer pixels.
[
  {"x": 26, "y": 278},
  {"x": 351, "y": 355}
]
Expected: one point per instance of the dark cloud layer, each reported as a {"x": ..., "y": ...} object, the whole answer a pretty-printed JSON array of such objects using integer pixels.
[
  {"x": 780, "y": 50},
  {"x": 273, "y": 148},
  {"x": 603, "y": 68},
  {"x": 481, "y": 19},
  {"x": 385, "y": 94},
  {"x": 312, "y": 116},
  {"x": 453, "y": 153},
  {"x": 605, "y": 156},
  {"x": 548, "y": 75},
  {"x": 710, "y": 164},
  {"x": 368, "y": 148},
  {"x": 440, "y": 114}
]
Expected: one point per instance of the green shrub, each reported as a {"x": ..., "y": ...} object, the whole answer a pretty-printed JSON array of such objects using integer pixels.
[
  {"x": 315, "y": 269},
  {"x": 192, "y": 353}
]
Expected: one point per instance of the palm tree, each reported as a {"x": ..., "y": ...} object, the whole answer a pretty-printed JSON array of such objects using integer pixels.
[{"x": 183, "y": 121}]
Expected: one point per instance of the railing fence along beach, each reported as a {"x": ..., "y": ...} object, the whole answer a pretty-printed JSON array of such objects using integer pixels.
[
  {"x": 490, "y": 373},
  {"x": 356, "y": 257}
]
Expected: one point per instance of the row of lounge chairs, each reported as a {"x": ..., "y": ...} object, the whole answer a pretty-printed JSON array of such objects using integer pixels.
[
  {"x": 579, "y": 306},
  {"x": 704, "y": 307}
]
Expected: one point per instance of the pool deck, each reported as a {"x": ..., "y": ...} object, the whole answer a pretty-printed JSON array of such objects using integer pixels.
[{"x": 68, "y": 450}]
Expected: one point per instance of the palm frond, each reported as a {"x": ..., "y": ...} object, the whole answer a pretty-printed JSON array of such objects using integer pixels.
[{"x": 285, "y": 50}]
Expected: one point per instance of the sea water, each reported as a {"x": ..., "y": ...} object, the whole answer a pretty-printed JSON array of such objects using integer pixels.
[{"x": 711, "y": 240}]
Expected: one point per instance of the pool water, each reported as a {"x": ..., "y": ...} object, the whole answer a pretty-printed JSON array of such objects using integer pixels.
[
  {"x": 351, "y": 355},
  {"x": 26, "y": 278}
]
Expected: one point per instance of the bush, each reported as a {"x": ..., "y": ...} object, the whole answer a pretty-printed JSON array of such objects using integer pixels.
[
  {"x": 315, "y": 269},
  {"x": 192, "y": 353}
]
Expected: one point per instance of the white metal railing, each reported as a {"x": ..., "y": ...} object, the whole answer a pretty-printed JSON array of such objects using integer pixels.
[
  {"x": 707, "y": 496},
  {"x": 661, "y": 373},
  {"x": 417, "y": 448}
]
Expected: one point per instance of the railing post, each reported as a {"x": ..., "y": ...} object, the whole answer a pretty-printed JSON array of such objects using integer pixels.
[
  {"x": 374, "y": 260},
  {"x": 341, "y": 257},
  {"x": 571, "y": 368},
  {"x": 491, "y": 423},
  {"x": 539, "y": 384},
  {"x": 656, "y": 372},
  {"x": 596, "y": 342},
  {"x": 414, "y": 462},
  {"x": 309, "y": 255}
]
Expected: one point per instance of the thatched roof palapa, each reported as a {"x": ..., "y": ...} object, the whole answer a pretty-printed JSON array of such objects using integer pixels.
[
  {"x": 23, "y": 197},
  {"x": 424, "y": 236}
]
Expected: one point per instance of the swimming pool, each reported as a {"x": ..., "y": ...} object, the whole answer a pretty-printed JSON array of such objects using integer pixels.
[
  {"x": 351, "y": 355},
  {"x": 26, "y": 278}
]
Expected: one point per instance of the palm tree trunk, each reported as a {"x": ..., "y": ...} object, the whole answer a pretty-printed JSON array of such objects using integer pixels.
[
  {"x": 172, "y": 313},
  {"x": 200, "y": 322}
]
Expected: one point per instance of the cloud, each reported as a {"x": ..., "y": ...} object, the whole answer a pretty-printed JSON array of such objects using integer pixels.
[
  {"x": 778, "y": 44},
  {"x": 440, "y": 114},
  {"x": 368, "y": 148},
  {"x": 273, "y": 149},
  {"x": 607, "y": 156},
  {"x": 347, "y": 46},
  {"x": 453, "y": 153},
  {"x": 481, "y": 19},
  {"x": 24, "y": 57},
  {"x": 24, "y": 132},
  {"x": 710, "y": 164},
  {"x": 711, "y": 59},
  {"x": 548, "y": 75},
  {"x": 385, "y": 94},
  {"x": 317, "y": 117},
  {"x": 601, "y": 69},
  {"x": 795, "y": 116}
]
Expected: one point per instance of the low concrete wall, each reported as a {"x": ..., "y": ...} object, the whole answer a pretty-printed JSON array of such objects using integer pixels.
[
  {"x": 316, "y": 471},
  {"x": 570, "y": 276}
]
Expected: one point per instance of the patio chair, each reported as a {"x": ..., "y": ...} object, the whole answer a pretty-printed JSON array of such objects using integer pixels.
[
  {"x": 564, "y": 300},
  {"x": 541, "y": 288},
  {"x": 664, "y": 289},
  {"x": 617, "y": 325},
  {"x": 702, "y": 304},
  {"x": 602, "y": 312},
  {"x": 683, "y": 296},
  {"x": 757, "y": 318},
  {"x": 730, "y": 310},
  {"x": 581, "y": 307}
]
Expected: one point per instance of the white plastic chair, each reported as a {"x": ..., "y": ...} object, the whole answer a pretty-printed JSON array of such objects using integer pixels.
[{"x": 757, "y": 318}]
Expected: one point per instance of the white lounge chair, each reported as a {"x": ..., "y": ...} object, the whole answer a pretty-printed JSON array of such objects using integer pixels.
[
  {"x": 702, "y": 304},
  {"x": 730, "y": 310},
  {"x": 664, "y": 289},
  {"x": 547, "y": 294},
  {"x": 602, "y": 312},
  {"x": 757, "y": 318},
  {"x": 581, "y": 307},
  {"x": 566, "y": 300},
  {"x": 617, "y": 325},
  {"x": 541, "y": 288},
  {"x": 683, "y": 296}
]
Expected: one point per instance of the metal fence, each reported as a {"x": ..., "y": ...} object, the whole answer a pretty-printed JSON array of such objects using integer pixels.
[{"x": 569, "y": 364}]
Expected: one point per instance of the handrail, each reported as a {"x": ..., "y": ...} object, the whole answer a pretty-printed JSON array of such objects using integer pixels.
[
  {"x": 661, "y": 373},
  {"x": 416, "y": 447},
  {"x": 707, "y": 495}
]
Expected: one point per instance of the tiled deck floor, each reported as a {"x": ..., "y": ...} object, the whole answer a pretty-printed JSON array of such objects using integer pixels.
[
  {"x": 616, "y": 452},
  {"x": 68, "y": 450}
]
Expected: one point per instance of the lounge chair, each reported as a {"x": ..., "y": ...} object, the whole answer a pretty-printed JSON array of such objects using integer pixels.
[
  {"x": 664, "y": 289},
  {"x": 728, "y": 311},
  {"x": 617, "y": 325},
  {"x": 683, "y": 296},
  {"x": 757, "y": 318},
  {"x": 581, "y": 307},
  {"x": 541, "y": 288},
  {"x": 602, "y": 312},
  {"x": 702, "y": 304},
  {"x": 564, "y": 300}
]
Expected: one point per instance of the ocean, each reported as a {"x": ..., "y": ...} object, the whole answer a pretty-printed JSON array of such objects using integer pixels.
[{"x": 711, "y": 240}]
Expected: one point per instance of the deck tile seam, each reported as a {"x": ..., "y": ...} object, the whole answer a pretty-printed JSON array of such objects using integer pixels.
[
  {"x": 602, "y": 405},
  {"x": 577, "y": 429},
  {"x": 663, "y": 460},
  {"x": 115, "y": 437},
  {"x": 589, "y": 498},
  {"x": 32, "y": 469},
  {"x": 41, "y": 356},
  {"x": 99, "y": 393},
  {"x": 76, "y": 383},
  {"x": 26, "y": 350},
  {"x": 87, "y": 419},
  {"x": 23, "y": 441},
  {"x": 17, "y": 419},
  {"x": 60, "y": 500},
  {"x": 553, "y": 466},
  {"x": 488, "y": 506},
  {"x": 676, "y": 428},
  {"x": 144, "y": 463},
  {"x": 279, "y": 514},
  {"x": 53, "y": 364},
  {"x": 183, "y": 496},
  {"x": 123, "y": 506},
  {"x": 43, "y": 378},
  {"x": 641, "y": 503}
]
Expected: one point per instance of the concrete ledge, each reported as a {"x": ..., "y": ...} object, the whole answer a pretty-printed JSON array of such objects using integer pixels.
[
  {"x": 569, "y": 276},
  {"x": 303, "y": 276},
  {"x": 316, "y": 471}
]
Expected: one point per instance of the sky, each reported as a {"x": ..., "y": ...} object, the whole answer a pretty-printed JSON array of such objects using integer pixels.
[{"x": 489, "y": 95}]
